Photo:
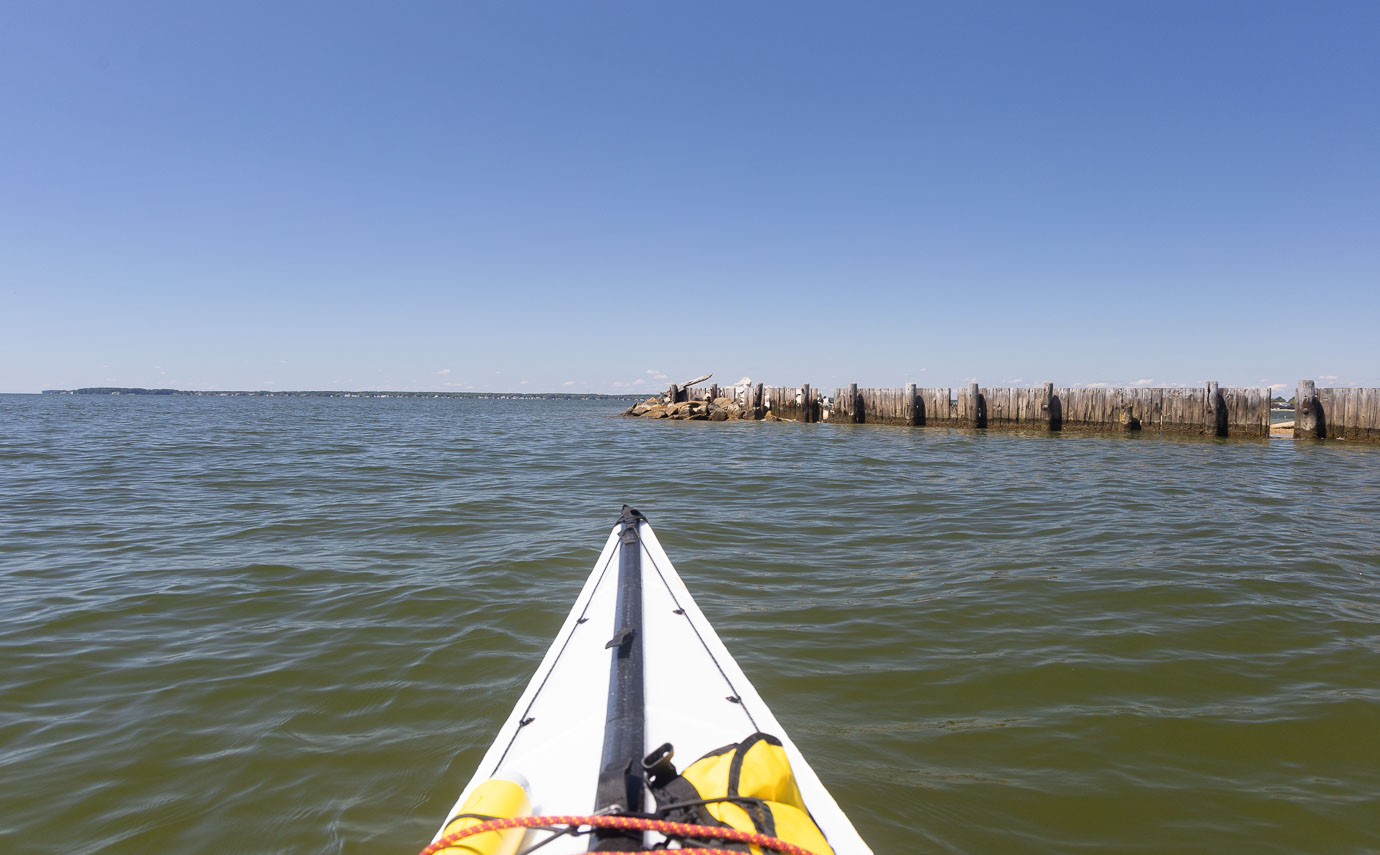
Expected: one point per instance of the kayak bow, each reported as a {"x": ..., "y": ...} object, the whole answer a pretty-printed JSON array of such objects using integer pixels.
[{"x": 635, "y": 676}]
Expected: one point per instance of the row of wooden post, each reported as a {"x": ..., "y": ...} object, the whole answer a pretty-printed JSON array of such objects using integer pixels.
[
  {"x": 972, "y": 409},
  {"x": 975, "y": 409},
  {"x": 1320, "y": 413}
]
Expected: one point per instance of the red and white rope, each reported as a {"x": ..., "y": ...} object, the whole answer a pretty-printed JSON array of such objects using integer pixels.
[{"x": 626, "y": 823}]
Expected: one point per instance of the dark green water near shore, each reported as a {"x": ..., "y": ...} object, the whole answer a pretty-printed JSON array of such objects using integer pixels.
[{"x": 293, "y": 625}]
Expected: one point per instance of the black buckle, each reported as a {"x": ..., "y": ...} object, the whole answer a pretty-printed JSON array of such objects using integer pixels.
[{"x": 658, "y": 767}]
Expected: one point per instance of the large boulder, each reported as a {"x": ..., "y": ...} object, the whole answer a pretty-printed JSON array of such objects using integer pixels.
[{"x": 641, "y": 407}]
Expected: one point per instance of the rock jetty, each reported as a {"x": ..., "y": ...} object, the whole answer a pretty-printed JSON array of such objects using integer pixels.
[{"x": 718, "y": 410}]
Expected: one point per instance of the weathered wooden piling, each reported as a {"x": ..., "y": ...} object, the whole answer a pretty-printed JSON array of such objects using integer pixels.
[
  {"x": 1051, "y": 412},
  {"x": 1308, "y": 423},
  {"x": 977, "y": 406},
  {"x": 1214, "y": 411}
]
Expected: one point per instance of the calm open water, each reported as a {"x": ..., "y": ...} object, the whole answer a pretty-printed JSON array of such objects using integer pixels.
[{"x": 293, "y": 625}]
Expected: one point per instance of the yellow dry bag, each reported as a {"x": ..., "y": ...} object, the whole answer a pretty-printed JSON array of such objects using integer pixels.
[{"x": 748, "y": 786}]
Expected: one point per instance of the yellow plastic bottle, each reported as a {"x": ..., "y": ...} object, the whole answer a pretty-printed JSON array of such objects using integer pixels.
[{"x": 504, "y": 795}]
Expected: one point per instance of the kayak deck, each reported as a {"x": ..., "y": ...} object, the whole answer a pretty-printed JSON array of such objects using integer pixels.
[{"x": 695, "y": 696}]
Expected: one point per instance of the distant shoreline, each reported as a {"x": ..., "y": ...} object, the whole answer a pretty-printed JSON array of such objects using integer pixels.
[{"x": 263, "y": 393}]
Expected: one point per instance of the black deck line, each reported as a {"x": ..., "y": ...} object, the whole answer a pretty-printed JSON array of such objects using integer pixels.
[{"x": 620, "y": 787}]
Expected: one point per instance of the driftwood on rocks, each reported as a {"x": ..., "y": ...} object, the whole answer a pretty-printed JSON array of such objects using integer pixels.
[{"x": 678, "y": 392}]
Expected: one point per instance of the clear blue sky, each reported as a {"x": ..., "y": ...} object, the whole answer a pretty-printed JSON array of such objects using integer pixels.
[{"x": 599, "y": 196}]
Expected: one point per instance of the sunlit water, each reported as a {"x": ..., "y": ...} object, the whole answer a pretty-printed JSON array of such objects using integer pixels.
[{"x": 293, "y": 625}]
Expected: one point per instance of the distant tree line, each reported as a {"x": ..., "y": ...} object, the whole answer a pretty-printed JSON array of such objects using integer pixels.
[{"x": 263, "y": 393}]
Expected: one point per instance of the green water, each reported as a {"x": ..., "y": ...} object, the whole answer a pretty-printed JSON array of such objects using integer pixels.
[{"x": 293, "y": 625}]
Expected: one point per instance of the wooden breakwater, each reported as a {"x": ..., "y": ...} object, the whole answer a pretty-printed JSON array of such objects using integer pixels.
[{"x": 1211, "y": 410}]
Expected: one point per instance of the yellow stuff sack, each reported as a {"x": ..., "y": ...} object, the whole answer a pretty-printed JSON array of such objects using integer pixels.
[{"x": 750, "y": 786}]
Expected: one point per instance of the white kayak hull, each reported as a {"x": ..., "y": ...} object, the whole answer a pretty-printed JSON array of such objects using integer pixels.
[{"x": 696, "y": 698}]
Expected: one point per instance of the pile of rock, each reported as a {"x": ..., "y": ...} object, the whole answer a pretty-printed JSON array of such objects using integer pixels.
[{"x": 717, "y": 410}]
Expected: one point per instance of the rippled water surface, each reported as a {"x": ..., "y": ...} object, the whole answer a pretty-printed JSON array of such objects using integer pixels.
[{"x": 293, "y": 625}]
